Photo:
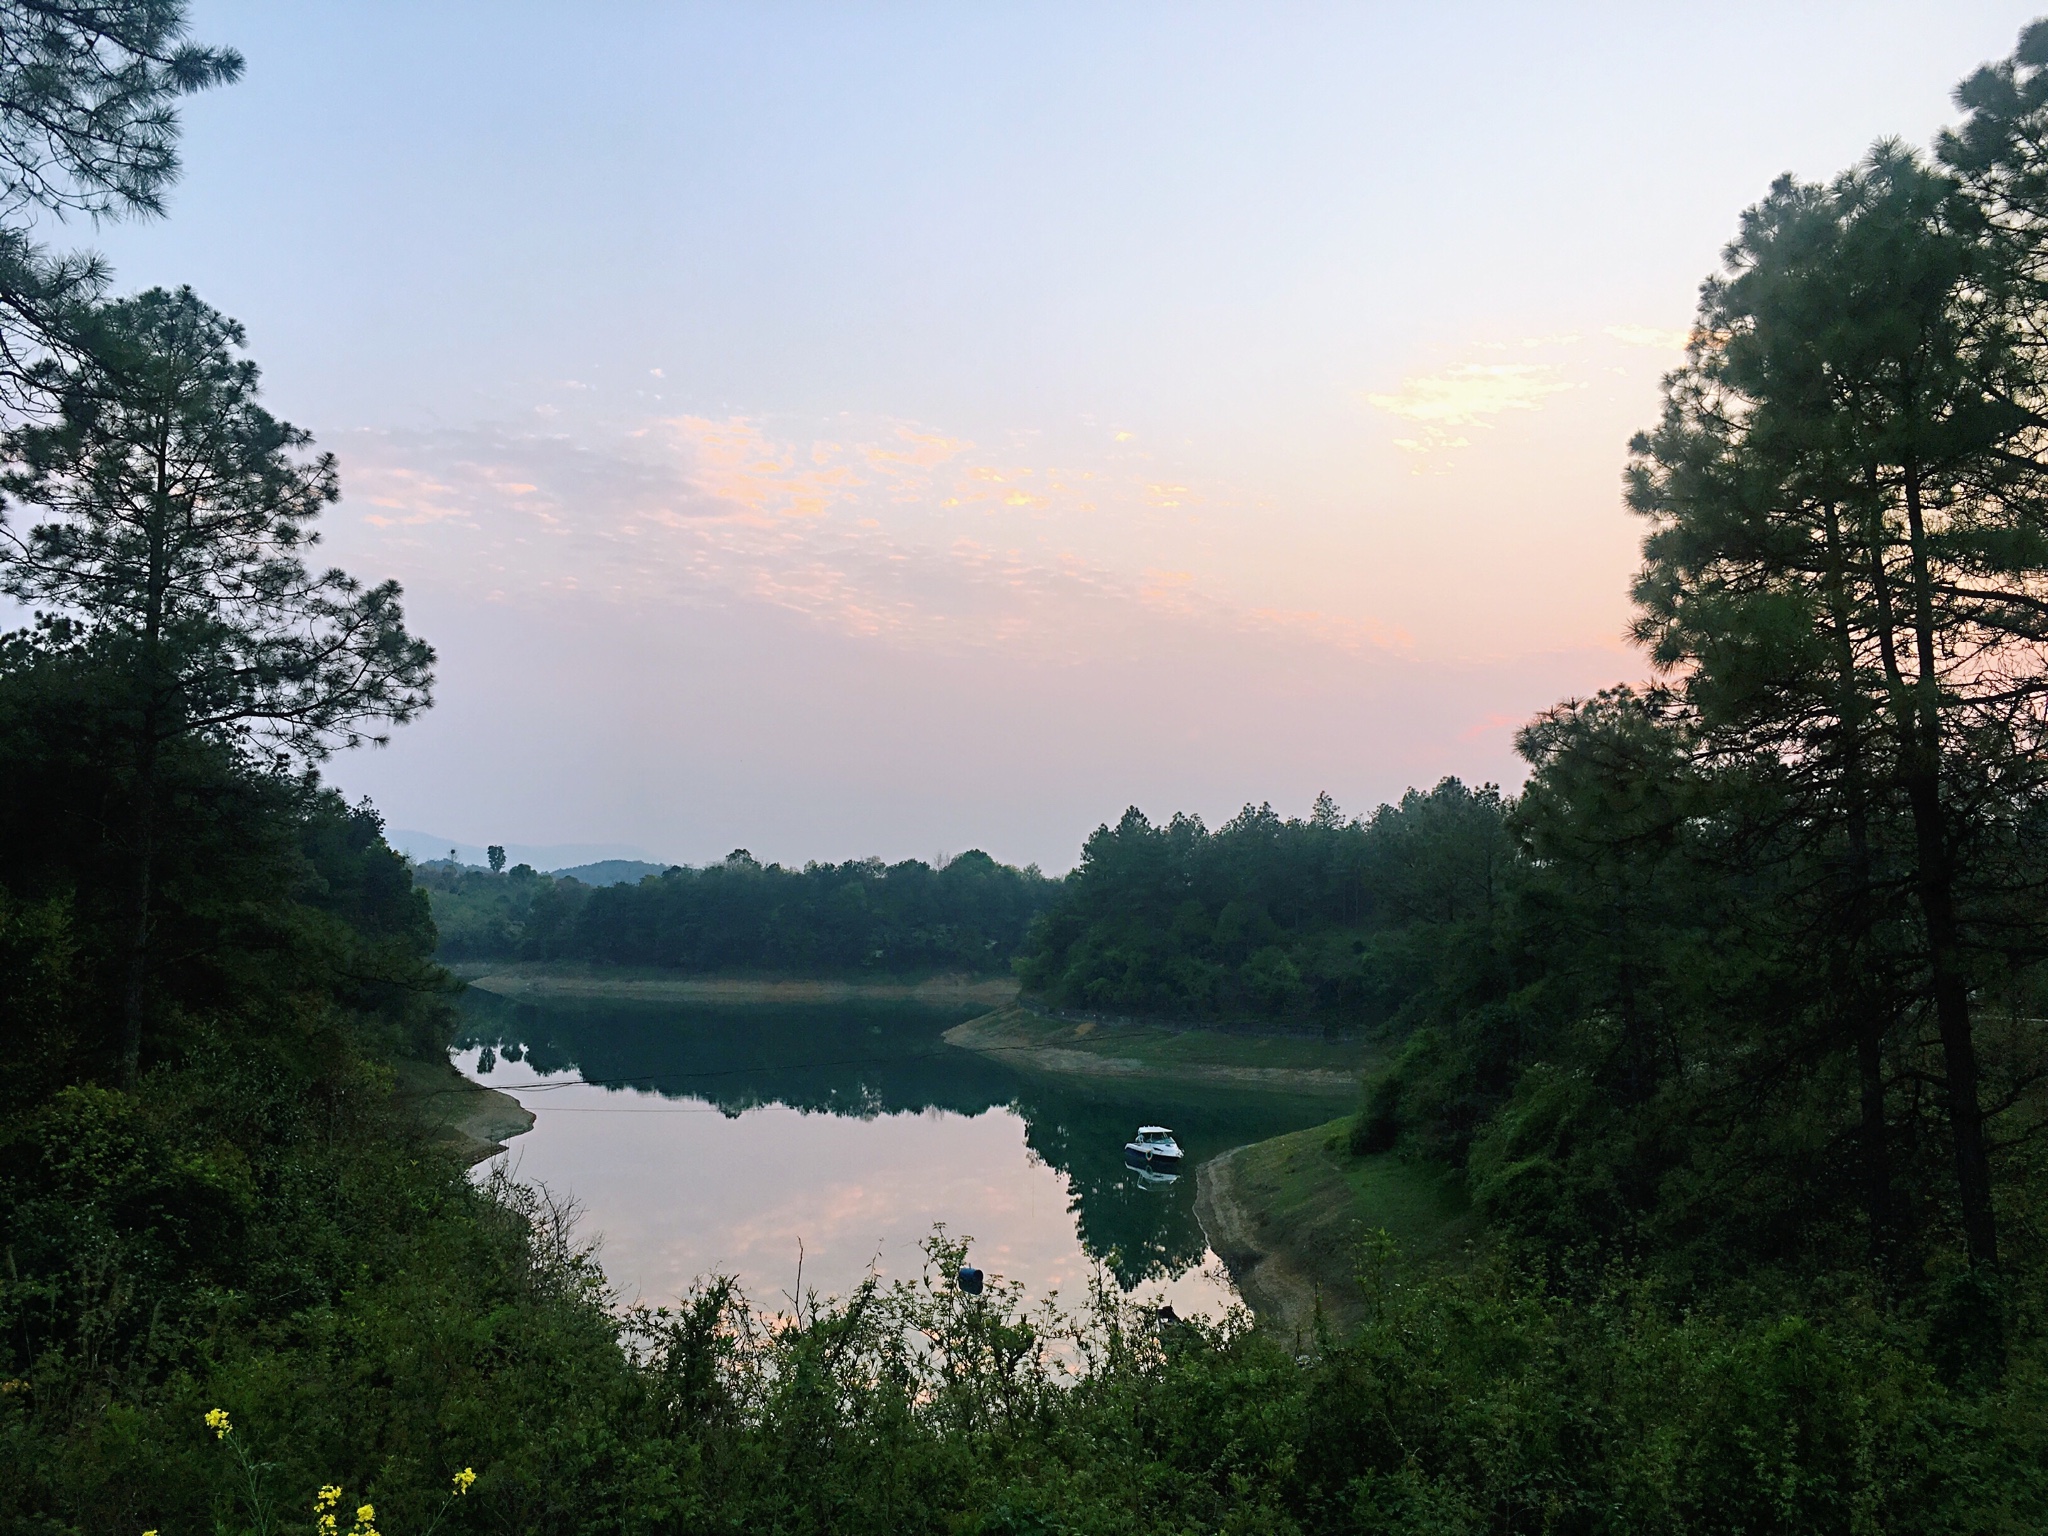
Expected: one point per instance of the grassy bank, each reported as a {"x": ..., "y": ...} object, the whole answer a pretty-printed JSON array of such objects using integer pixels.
[
  {"x": 536, "y": 981},
  {"x": 1158, "y": 1053},
  {"x": 1289, "y": 1217},
  {"x": 465, "y": 1117}
]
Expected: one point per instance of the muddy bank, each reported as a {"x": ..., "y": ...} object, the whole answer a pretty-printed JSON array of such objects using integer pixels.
[
  {"x": 537, "y": 982},
  {"x": 1276, "y": 1284},
  {"x": 1288, "y": 1217}
]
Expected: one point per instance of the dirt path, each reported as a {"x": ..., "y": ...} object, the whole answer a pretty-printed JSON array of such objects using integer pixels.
[
  {"x": 1281, "y": 1293},
  {"x": 1014, "y": 1035},
  {"x": 472, "y": 1120},
  {"x": 939, "y": 991}
]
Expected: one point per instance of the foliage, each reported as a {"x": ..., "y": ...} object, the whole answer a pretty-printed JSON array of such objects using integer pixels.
[
  {"x": 88, "y": 125},
  {"x": 1271, "y": 917},
  {"x": 177, "y": 512},
  {"x": 1846, "y": 553},
  {"x": 177, "y": 515},
  {"x": 461, "y": 1326},
  {"x": 279, "y": 911}
]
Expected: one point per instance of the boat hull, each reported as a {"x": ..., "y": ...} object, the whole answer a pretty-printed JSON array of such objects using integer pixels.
[{"x": 1158, "y": 1162}]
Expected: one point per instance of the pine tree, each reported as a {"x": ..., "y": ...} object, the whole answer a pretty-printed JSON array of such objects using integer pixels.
[
  {"x": 175, "y": 516},
  {"x": 1845, "y": 566},
  {"x": 88, "y": 128}
]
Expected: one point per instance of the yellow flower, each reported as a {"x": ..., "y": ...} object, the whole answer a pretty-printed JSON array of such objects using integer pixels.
[
  {"x": 149, "y": 1533},
  {"x": 328, "y": 1496},
  {"x": 217, "y": 1421},
  {"x": 365, "y": 1514},
  {"x": 464, "y": 1479}
]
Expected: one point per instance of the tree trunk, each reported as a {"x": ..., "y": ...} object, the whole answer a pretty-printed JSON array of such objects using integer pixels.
[
  {"x": 1851, "y": 989},
  {"x": 1877, "y": 1169},
  {"x": 1935, "y": 889},
  {"x": 1934, "y": 881},
  {"x": 134, "y": 991}
]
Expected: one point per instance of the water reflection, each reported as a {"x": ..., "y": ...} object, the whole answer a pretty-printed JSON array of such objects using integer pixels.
[{"x": 831, "y": 1122}]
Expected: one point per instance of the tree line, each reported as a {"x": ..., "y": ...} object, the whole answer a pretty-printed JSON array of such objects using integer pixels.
[
  {"x": 862, "y": 917},
  {"x": 1271, "y": 918}
]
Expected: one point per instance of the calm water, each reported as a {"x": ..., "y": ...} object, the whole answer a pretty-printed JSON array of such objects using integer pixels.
[{"x": 702, "y": 1139}]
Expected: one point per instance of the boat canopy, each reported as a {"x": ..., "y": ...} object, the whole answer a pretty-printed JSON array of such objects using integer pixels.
[{"x": 1153, "y": 1130}]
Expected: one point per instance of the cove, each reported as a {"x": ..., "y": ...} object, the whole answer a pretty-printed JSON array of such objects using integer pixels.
[{"x": 742, "y": 1139}]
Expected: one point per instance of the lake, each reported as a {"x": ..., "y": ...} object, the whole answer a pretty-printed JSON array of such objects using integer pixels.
[{"x": 741, "y": 1140}]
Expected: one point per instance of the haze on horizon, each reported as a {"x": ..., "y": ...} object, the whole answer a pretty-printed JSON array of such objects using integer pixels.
[{"x": 902, "y": 429}]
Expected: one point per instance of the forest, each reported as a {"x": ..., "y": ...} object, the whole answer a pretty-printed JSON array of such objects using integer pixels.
[
  {"x": 858, "y": 918},
  {"x": 1730, "y": 1015},
  {"x": 1273, "y": 919}
]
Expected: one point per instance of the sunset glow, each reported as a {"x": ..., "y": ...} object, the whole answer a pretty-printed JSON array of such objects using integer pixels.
[{"x": 896, "y": 427}]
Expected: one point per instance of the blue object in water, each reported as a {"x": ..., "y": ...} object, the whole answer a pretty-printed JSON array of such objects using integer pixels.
[{"x": 970, "y": 1279}]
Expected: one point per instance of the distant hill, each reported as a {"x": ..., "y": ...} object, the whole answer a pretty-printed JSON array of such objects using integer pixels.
[
  {"x": 432, "y": 847},
  {"x": 610, "y": 872}
]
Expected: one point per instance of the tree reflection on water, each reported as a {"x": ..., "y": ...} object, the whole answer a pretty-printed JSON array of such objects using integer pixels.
[{"x": 864, "y": 1060}]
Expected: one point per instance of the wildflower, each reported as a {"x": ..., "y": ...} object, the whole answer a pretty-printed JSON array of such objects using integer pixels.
[
  {"x": 323, "y": 1509},
  {"x": 217, "y": 1421},
  {"x": 365, "y": 1515},
  {"x": 464, "y": 1479}
]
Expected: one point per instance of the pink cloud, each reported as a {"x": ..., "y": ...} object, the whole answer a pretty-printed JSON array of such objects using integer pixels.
[{"x": 860, "y": 535}]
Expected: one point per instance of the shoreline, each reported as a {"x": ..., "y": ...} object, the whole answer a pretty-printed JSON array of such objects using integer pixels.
[
  {"x": 471, "y": 1120},
  {"x": 1016, "y": 1035},
  {"x": 1281, "y": 1294},
  {"x": 1287, "y": 1217},
  {"x": 538, "y": 981}
]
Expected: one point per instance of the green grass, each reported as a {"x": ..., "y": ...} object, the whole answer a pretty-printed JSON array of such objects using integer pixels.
[
  {"x": 1309, "y": 1197},
  {"x": 1159, "y": 1045},
  {"x": 1422, "y": 1207}
]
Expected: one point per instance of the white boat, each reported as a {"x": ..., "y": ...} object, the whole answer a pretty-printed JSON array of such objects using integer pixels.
[{"x": 1154, "y": 1150}]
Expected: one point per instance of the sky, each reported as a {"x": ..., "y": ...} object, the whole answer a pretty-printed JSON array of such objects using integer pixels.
[{"x": 890, "y": 429}]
